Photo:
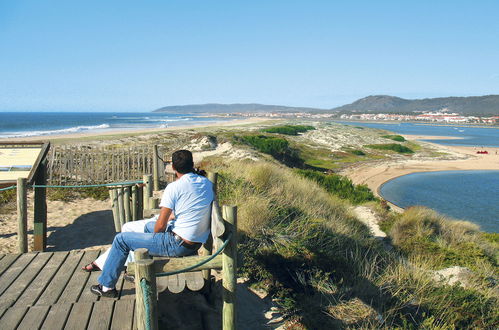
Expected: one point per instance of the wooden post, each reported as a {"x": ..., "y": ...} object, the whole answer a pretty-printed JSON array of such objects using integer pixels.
[
  {"x": 22, "y": 215},
  {"x": 126, "y": 197},
  {"x": 121, "y": 206},
  {"x": 155, "y": 167},
  {"x": 140, "y": 202},
  {"x": 207, "y": 247},
  {"x": 141, "y": 254},
  {"x": 134, "y": 203},
  {"x": 229, "y": 269},
  {"x": 40, "y": 209},
  {"x": 147, "y": 191},
  {"x": 144, "y": 270},
  {"x": 213, "y": 177},
  {"x": 113, "y": 194}
]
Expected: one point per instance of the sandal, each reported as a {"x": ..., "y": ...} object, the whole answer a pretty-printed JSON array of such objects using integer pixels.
[{"x": 91, "y": 267}]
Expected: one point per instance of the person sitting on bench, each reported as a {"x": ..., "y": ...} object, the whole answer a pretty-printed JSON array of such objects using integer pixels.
[{"x": 189, "y": 198}]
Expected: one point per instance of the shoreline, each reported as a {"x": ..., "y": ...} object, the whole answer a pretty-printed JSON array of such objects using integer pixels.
[
  {"x": 133, "y": 132},
  {"x": 374, "y": 175}
]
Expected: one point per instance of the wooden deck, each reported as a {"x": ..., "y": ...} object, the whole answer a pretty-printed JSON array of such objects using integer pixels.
[{"x": 48, "y": 290}]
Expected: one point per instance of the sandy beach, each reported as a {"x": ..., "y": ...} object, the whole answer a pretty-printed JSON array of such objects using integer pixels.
[{"x": 376, "y": 173}]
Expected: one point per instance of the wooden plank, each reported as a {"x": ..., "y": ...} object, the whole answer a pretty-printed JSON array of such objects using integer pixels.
[
  {"x": 194, "y": 281},
  {"x": 127, "y": 290},
  {"x": 123, "y": 315},
  {"x": 7, "y": 261},
  {"x": 79, "y": 279},
  {"x": 161, "y": 283},
  {"x": 17, "y": 287},
  {"x": 34, "y": 318},
  {"x": 163, "y": 264},
  {"x": 42, "y": 280},
  {"x": 1, "y": 256},
  {"x": 56, "y": 317},
  {"x": 59, "y": 281},
  {"x": 176, "y": 283},
  {"x": 101, "y": 315},
  {"x": 79, "y": 316},
  {"x": 12, "y": 317},
  {"x": 86, "y": 295},
  {"x": 14, "y": 270}
]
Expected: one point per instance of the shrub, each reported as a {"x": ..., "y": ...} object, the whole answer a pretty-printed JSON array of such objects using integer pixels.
[
  {"x": 274, "y": 146},
  {"x": 340, "y": 186},
  {"x": 69, "y": 194},
  {"x": 61, "y": 194},
  {"x": 289, "y": 129},
  {"x": 398, "y": 138},
  {"x": 392, "y": 146},
  {"x": 98, "y": 193},
  {"x": 8, "y": 200},
  {"x": 358, "y": 152}
]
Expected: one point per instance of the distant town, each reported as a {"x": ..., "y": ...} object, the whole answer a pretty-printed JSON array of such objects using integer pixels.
[{"x": 441, "y": 116}]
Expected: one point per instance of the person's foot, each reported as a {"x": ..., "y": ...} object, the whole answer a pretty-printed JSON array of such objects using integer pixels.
[
  {"x": 91, "y": 267},
  {"x": 98, "y": 290},
  {"x": 129, "y": 277}
]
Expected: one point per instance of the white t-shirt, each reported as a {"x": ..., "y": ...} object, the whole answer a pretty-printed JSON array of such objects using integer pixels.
[{"x": 190, "y": 199}]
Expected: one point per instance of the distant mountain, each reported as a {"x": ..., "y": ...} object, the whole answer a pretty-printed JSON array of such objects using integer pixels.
[
  {"x": 231, "y": 108},
  {"x": 473, "y": 105}
]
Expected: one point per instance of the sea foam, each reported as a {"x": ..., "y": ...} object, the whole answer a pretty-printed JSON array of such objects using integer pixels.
[{"x": 75, "y": 129}]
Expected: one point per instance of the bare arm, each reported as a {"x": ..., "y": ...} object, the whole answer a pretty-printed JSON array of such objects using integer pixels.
[{"x": 165, "y": 215}]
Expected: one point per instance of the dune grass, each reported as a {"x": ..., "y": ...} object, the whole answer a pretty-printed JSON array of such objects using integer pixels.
[
  {"x": 398, "y": 138},
  {"x": 289, "y": 129},
  {"x": 391, "y": 146},
  {"x": 324, "y": 268}
]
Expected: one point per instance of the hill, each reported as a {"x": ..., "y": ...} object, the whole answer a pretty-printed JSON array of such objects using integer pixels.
[
  {"x": 231, "y": 108},
  {"x": 473, "y": 105}
]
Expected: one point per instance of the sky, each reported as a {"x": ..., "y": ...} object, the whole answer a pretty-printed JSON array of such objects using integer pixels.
[{"x": 140, "y": 56}]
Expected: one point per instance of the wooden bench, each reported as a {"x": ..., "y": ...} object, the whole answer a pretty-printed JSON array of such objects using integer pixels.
[{"x": 181, "y": 271}]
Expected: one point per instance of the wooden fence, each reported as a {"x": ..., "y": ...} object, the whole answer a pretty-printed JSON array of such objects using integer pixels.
[{"x": 88, "y": 165}]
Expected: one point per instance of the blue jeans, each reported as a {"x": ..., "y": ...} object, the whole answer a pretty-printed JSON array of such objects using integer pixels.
[{"x": 159, "y": 244}]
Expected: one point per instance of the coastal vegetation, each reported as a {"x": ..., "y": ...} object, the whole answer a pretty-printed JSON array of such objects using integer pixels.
[
  {"x": 275, "y": 146},
  {"x": 66, "y": 195},
  {"x": 394, "y": 137},
  {"x": 340, "y": 186},
  {"x": 289, "y": 129},
  {"x": 393, "y": 147},
  {"x": 299, "y": 242}
]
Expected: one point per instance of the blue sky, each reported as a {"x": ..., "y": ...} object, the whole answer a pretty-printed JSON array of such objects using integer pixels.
[{"x": 139, "y": 56}]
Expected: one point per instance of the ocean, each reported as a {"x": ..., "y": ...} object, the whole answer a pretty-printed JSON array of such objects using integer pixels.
[
  {"x": 28, "y": 124},
  {"x": 471, "y": 136},
  {"x": 466, "y": 195}
]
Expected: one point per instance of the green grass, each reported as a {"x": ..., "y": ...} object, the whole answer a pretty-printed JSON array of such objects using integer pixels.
[
  {"x": 67, "y": 194},
  {"x": 425, "y": 233},
  {"x": 340, "y": 186},
  {"x": 391, "y": 146},
  {"x": 358, "y": 152},
  {"x": 8, "y": 200},
  {"x": 275, "y": 146},
  {"x": 398, "y": 138},
  {"x": 289, "y": 129}
]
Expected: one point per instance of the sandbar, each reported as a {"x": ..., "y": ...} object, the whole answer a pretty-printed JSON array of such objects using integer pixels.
[{"x": 374, "y": 174}]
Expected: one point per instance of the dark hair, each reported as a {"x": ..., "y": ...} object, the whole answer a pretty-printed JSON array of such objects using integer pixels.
[{"x": 182, "y": 162}]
